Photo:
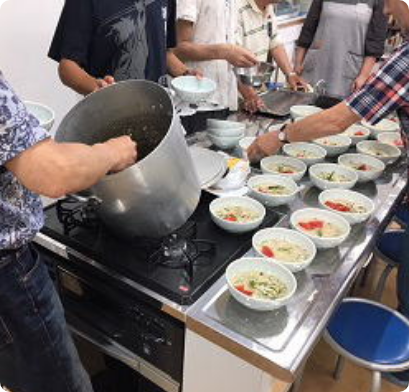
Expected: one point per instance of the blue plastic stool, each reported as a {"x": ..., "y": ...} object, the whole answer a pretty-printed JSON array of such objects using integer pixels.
[
  {"x": 371, "y": 335},
  {"x": 402, "y": 215},
  {"x": 389, "y": 250}
]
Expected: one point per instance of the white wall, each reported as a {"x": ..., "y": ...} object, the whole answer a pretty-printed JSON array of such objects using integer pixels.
[{"x": 26, "y": 30}]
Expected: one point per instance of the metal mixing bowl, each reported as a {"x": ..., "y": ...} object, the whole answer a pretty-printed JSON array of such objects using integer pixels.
[{"x": 255, "y": 76}]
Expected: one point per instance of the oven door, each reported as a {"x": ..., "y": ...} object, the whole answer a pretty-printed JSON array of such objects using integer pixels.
[{"x": 117, "y": 323}]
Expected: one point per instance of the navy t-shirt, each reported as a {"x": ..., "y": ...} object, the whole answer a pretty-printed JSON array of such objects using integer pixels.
[{"x": 127, "y": 39}]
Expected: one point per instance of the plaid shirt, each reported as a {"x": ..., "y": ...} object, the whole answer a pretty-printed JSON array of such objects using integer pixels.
[{"x": 386, "y": 91}]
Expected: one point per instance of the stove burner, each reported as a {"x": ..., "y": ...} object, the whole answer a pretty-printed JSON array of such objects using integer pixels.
[{"x": 72, "y": 213}]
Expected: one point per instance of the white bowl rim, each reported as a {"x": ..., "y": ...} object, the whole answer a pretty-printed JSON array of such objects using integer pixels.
[
  {"x": 363, "y": 156},
  {"x": 256, "y": 260},
  {"x": 273, "y": 177},
  {"x": 331, "y": 214},
  {"x": 335, "y": 166},
  {"x": 397, "y": 151},
  {"x": 246, "y": 199},
  {"x": 212, "y": 84},
  {"x": 42, "y": 106},
  {"x": 286, "y": 230},
  {"x": 324, "y": 194},
  {"x": 306, "y": 145}
]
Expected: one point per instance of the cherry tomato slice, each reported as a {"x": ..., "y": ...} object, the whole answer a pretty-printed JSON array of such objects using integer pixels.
[
  {"x": 243, "y": 290},
  {"x": 267, "y": 251}
]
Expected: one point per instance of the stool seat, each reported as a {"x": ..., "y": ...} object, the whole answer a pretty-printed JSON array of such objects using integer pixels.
[
  {"x": 402, "y": 213},
  {"x": 390, "y": 246},
  {"x": 372, "y": 333}
]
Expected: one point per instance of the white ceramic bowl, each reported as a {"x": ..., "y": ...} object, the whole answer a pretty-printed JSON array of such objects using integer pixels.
[
  {"x": 308, "y": 214},
  {"x": 267, "y": 166},
  {"x": 224, "y": 124},
  {"x": 225, "y": 142},
  {"x": 392, "y": 138},
  {"x": 349, "y": 196},
  {"x": 342, "y": 142},
  {"x": 301, "y": 111},
  {"x": 290, "y": 236},
  {"x": 43, "y": 113},
  {"x": 323, "y": 184},
  {"x": 266, "y": 266},
  {"x": 377, "y": 166},
  {"x": 270, "y": 179},
  {"x": 192, "y": 89},
  {"x": 357, "y": 133},
  {"x": 292, "y": 150},
  {"x": 384, "y": 125},
  {"x": 370, "y": 147},
  {"x": 229, "y": 132},
  {"x": 245, "y": 202}
]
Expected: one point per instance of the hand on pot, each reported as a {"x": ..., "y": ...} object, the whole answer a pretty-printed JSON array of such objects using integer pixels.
[
  {"x": 105, "y": 82},
  {"x": 240, "y": 57},
  {"x": 124, "y": 153}
]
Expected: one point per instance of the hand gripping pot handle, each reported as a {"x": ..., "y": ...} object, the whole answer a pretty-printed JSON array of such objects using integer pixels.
[{"x": 159, "y": 193}]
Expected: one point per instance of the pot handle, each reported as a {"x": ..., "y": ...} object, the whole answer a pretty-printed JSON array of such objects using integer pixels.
[{"x": 94, "y": 200}]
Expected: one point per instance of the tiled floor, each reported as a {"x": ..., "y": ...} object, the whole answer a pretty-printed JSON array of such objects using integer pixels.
[{"x": 318, "y": 374}]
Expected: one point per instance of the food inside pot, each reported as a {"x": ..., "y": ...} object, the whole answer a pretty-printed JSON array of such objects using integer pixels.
[
  {"x": 238, "y": 214},
  {"x": 333, "y": 176},
  {"x": 283, "y": 169},
  {"x": 273, "y": 189},
  {"x": 284, "y": 250},
  {"x": 260, "y": 285},
  {"x": 321, "y": 228},
  {"x": 346, "y": 206}
]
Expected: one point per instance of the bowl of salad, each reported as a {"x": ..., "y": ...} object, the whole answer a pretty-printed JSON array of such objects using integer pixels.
[
  {"x": 392, "y": 138},
  {"x": 309, "y": 153},
  {"x": 334, "y": 145},
  {"x": 272, "y": 190},
  {"x": 284, "y": 166},
  {"x": 385, "y": 152},
  {"x": 237, "y": 214},
  {"x": 357, "y": 133},
  {"x": 325, "y": 228},
  {"x": 260, "y": 284},
  {"x": 353, "y": 206},
  {"x": 285, "y": 246},
  {"x": 368, "y": 168},
  {"x": 384, "y": 125},
  {"x": 332, "y": 176}
]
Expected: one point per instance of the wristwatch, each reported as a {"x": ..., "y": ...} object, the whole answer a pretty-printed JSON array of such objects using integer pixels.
[{"x": 282, "y": 135}]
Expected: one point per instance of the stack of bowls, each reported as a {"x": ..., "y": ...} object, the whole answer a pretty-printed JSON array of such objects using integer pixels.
[
  {"x": 43, "y": 113},
  {"x": 225, "y": 134}
]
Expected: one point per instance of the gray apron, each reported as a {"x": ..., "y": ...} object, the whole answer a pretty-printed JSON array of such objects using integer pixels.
[{"x": 337, "y": 52}]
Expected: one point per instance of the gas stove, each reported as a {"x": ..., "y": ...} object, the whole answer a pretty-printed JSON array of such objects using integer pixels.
[{"x": 180, "y": 267}]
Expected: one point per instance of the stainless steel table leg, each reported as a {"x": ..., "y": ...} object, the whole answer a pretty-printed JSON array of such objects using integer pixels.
[
  {"x": 376, "y": 381},
  {"x": 339, "y": 367},
  {"x": 297, "y": 383}
]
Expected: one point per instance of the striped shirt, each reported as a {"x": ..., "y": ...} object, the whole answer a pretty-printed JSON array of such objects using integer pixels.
[
  {"x": 257, "y": 30},
  {"x": 386, "y": 91}
]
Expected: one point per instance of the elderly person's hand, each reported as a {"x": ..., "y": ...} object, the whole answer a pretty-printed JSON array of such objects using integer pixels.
[
  {"x": 263, "y": 146},
  {"x": 296, "y": 82}
]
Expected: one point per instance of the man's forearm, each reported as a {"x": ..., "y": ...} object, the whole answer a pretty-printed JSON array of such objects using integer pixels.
[
  {"x": 367, "y": 66},
  {"x": 55, "y": 169},
  {"x": 190, "y": 51},
  {"x": 73, "y": 76},
  {"x": 329, "y": 122},
  {"x": 280, "y": 56}
]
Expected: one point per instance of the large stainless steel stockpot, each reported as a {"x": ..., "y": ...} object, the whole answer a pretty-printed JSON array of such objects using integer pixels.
[{"x": 159, "y": 193}]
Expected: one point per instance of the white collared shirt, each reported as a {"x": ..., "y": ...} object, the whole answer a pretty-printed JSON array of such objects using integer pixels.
[
  {"x": 214, "y": 23},
  {"x": 257, "y": 30}
]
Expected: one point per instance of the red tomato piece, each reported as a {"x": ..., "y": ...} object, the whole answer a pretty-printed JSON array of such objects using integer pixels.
[
  {"x": 359, "y": 133},
  {"x": 312, "y": 225},
  {"x": 338, "y": 206},
  {"x": 267, "y": 251},
  {"x": 231, "y": 218},
  {"x": 243, "y": 290}
]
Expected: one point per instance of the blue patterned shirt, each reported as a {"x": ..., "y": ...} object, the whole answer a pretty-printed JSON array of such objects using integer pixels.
[{"x": 21, "y": 212}]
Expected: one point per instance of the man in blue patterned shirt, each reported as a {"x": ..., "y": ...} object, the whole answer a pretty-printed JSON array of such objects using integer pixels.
[
  {"x": 36, "y": 350},
  {"x": 385, "y": 92}
]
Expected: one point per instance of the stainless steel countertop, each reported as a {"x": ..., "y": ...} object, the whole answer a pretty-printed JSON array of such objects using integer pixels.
[{"x": 279, "y": 342}]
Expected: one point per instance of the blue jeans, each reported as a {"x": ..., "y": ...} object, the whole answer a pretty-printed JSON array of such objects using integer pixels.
[{"x": 37, "y": 353}]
